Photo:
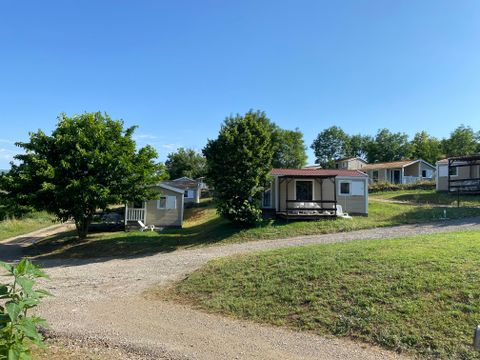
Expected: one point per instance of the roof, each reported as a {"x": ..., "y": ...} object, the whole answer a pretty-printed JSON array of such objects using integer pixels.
[
  {"x": 317, "y": 172},
  {"x": 442, "y": 161},
  {"x": 394, "y": 164},
  {"x": 474, "y": 157},
  {"x": 182, "y": 184},
  {"x": 350, "y": 159},
  {"x": 316, "y": 166},
  {"x": 171, "y": 188}
]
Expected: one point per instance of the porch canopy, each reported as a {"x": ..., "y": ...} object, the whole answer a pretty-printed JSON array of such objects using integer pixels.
[
  {"x": 304, "y": 202},
  {"x": 469, "y": 183}
]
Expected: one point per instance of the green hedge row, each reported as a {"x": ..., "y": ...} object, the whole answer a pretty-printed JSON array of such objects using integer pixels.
[{"x": 386, "y": 186}]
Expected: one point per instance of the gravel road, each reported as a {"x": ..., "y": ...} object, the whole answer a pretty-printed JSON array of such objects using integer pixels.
[{"x": 100, "y": 299}]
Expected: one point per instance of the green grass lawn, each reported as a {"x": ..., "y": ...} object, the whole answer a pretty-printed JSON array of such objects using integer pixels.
[
  {"x": 30, "y": 222},
  {"x": 204, "y": 227},
  {"x": 420, "y": 295},
  {"x": 427, "y": 197}
]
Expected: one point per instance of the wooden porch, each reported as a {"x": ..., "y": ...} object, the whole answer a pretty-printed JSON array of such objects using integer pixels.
[
  {"x": 467, "y": 185},
  {"x": 305, "y": 206}
]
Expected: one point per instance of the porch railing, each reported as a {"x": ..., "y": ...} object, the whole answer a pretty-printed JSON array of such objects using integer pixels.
[
  {"x": 311, "y": 206},
  {"x": 135, "y": 214},
  {"x": 464, "y": 185}
]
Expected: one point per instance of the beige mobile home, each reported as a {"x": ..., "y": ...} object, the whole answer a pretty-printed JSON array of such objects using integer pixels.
[
  {"x": 165, "y": 210},
  {"x": 459, "y": 174},
  {"x": 400, "y": 172},
  {"x": 191, "y": 188},
  {"x": 351, "y": 163},
  {"x": 313, "y": 194}
]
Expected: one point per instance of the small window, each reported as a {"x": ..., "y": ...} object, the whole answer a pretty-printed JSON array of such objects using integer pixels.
[
  {"x": 337, "y": 165},
  {"x": 375, "y": 175},
  {"x": 424, "y": 173},
  {"x": 185, "y": 193},
  {"x": 345, "y": 188},
  {"x": 453, "y": 171},
  {"x": 267, "y": 198},
  {"x": 162, "y": 202}
]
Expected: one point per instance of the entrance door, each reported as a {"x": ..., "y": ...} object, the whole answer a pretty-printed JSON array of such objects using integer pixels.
[
  {"x": 304, "y": 190},
  {"x": 396, "y": 176}
]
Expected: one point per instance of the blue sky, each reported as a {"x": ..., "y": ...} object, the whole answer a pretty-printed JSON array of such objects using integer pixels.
[{"x": 177, "y": 68}]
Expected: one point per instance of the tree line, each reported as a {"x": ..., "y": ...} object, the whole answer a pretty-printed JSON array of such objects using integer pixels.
[{"x": 333, "y": 143}]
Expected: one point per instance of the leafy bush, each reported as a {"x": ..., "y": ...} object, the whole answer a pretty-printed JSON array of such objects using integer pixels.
[
  {"x": 387, "y": 186},
  {"x": 17, "y": 298}
]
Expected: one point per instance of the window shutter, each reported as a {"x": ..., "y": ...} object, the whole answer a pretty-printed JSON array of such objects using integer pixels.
[{"x": 171, "y": 202}]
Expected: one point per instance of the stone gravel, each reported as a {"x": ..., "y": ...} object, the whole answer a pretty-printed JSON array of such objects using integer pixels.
[{"x": 101, "y": 300}]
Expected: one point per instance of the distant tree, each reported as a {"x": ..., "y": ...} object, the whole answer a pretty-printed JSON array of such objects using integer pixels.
[
  {"x": 330, "y": 144},
  {"x": 289, "y": 151},
  {"x": 238, "y": 166},
  {"x": 387, "y": 146},
  {"x": 426, "y": 147},
  {"x": 88, "y": 163},
  {"x": 185, "y": 162},
  {"x": 356, "y": 146},
  {"x": 462, "y": 141}
]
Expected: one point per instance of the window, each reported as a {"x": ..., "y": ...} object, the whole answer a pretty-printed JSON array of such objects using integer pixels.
[
  {"x": 304, "y": 190},
  {"x": 267, "y": 198},
  {"x": 375, "y": 175},
  {"x": 344, "y": 188},
  {"x": 162, "y": 202},
  {"x": 424, "y": 173},
  {"x": 185, "y": 194},
  {"x": 453, "y": 171}
]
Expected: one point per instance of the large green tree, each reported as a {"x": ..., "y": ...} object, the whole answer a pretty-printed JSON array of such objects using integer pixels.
[
  {"x": 462, "y": 141},
  {"x": 88, "y": 163},
  {"x": 387, "y": 146},
  {"x": 330, "y": 145},
  {"x": 238, "y": 166},
  {"x": 185, "y": 162},
  {"x": 426, "y": 147},
  {"x": 289, "y": 151}
]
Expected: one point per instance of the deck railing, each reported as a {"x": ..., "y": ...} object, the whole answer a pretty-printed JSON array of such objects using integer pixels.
[
  {"x": 311, "y": 206},
  {"x": 465, "y": 185},
  {"x": 135, "y": 214}
]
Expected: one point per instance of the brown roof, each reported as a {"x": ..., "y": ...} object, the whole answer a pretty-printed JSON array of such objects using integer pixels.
[
  {"x": 350, "y": 159},
  {"x": 319, "y": 172},
  {"x": 182, "y": 184},
  {"x": 443, "y": 161},
  {"x": 388, "y": 165}
]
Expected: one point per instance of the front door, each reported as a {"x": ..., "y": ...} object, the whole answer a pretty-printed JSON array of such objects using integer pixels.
[
  {"x": 304, "y": 190},
  {"x": 396, "y": 176}
]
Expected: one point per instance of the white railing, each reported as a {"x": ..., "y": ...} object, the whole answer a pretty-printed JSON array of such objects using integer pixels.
[
  {"x": 135, "y": 214},
  {"x": 411, "y": 179}
]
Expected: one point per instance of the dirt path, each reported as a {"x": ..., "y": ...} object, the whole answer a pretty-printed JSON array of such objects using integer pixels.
[
  {"x": 100, "y": 299},
  {"x": 433, "y": 205}
]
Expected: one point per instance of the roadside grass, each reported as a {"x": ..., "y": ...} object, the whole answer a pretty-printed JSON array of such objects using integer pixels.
[
  {"x": 204, "y": 227},
  {"x": 34, "y": 221},
  {"x": 418, "y": 295},
  {"x": 427, "y": 197}
]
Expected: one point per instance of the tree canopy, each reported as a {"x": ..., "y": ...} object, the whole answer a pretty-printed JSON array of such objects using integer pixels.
[
  {"x": 387, "y": 146},
  {"x": 238, "y": 164},
  {"x": 462, "y": 141},
  {"x": 331, "y": 144},
  {"x": 426, "y": 147},
  {"x": 185, "y": 162},
  {"x": 289, "y": 151},
  {"x": 88, "y": 163}
]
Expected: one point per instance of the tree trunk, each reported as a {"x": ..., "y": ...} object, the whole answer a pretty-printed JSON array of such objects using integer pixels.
[{"x": 82, "y": 226}]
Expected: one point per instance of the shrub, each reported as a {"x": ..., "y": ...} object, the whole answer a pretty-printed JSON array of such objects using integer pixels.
[
  {"x": 387, "y": 186},
  {"x": 17, "y": 298}
]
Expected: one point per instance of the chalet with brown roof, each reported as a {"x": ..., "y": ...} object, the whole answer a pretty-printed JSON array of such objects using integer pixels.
[
  {"x": 315, "y": 193},
  {"x": 400, "y": 172}
]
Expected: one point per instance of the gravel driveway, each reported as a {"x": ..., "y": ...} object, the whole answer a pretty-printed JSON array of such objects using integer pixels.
[{"x": 100, "y": 300}]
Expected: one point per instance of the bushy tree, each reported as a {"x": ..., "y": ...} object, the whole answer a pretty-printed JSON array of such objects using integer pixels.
[
  {"x": 238, "y": 166},
  {"x": 356, "y": 146},
  {"x": 426, "y": 147},
  {"x": 289, "y": 151},
  {"x": 387, "y": 146},
  {"x": 185, "y": 162},
  {"x": 462, "y": 141},
  {"x": 330, "y": 145},
  {"x": 88, "y": 163}
]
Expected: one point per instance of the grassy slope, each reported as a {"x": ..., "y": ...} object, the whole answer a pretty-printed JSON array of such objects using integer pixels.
[
  {"x": 427, "y": 197},
  {"x": 30, "y": 222},
  {"x": 205, "y": 227},
  {"x": 419, "y": 295}
]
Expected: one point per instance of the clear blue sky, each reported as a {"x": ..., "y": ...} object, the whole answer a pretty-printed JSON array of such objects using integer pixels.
[{"x": 177, "y": 68}]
